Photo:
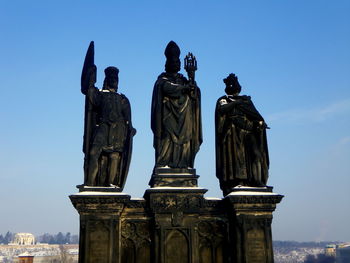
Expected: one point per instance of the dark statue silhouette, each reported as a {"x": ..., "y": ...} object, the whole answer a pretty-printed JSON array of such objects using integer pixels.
[
  {"x": 241, "y": 146},
  {"x": 108, "y": 130},
  {"x": 173, "y": 222},
  {"x": 176, "y": 112}
]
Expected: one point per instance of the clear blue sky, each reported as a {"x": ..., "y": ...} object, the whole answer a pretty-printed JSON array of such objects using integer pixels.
[{"x": 292, "y": 57}]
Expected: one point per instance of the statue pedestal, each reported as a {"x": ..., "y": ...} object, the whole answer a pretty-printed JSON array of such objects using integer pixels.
[
  {"x": 176, "y": 213},
  {"x": 176, "y": 224},
  {"x": 99, "y": 225},
  {"x": 250, "y": 215},
  {"x": 174, "y": 177},
  {"x": 108, "y": 189}
]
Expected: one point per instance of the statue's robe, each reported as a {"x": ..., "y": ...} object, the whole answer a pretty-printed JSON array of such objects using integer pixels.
[
  {"x": 241, "y": 146},
  {"x": 175, "y": 122}
]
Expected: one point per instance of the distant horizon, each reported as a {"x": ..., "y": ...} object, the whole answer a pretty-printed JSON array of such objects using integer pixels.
[{"x": 274, "y": 240}]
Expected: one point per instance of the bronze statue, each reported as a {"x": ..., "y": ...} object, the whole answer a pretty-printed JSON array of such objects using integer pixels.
[
  {"x": 108, "y": 130},
  {"x": 176, "y": 112},
  {"x": 241, "y": 146}
]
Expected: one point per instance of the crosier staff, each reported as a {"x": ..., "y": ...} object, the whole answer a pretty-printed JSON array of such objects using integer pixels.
[{"x": 191, "y": 67}]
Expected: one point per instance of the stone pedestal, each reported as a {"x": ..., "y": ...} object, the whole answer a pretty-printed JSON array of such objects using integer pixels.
[
  {"x": 175, "y": 214},
  {"x": 175, "y": 223},
  {"x": 250, "y": 215},
  {"x": 174, "y": 177},
  {"x": 182, "y": 219},
  {"x": 99, "y": 225}
]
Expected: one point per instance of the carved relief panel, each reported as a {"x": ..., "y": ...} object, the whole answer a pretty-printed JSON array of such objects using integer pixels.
[
  {"x": 177, "y": 247},
  {"x": 212, "y": 236},
  {"x": 135, "y": 241}
]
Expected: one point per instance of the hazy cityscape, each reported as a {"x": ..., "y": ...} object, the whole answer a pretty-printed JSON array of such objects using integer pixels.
[{"x": 63, "y": 248}]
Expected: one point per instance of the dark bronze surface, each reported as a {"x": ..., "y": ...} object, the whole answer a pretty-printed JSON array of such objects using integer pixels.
[
  {"x": 174, "y": 222},
  {"x": 176, "y": 113},
  {"x": 240, "y": 133},
  {"x": 108, "y": 131}
]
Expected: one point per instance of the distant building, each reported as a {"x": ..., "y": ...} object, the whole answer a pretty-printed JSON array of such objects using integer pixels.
[
  {"x": 330, "y": 250},
  {"x": 343, "y": 253},
  {"x": 23, "y": 239},
  {"x": 25, "y": 258},
  {"x": 39, "y": 253}
]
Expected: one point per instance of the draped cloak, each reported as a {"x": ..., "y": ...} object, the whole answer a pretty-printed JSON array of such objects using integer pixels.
[
  {"x": 175, "y": 122},
  {"x": 239, "y": 143}
]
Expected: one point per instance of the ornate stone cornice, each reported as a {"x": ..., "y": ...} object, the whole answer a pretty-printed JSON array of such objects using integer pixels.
[{"x": 104, "y": 203}]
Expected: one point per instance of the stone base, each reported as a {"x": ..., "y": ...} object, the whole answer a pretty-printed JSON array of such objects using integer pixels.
[
  {"x": 174, "y": 177},
  {"x": 176, "y": 224},
  {"x": 250, "y": 216},
  {"x": 241, "y": 188},
  {"x": 85, "y": 188},
  {"x": 100, "y": 224}
]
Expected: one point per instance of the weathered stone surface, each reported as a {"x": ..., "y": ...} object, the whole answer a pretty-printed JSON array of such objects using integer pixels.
[
  {"x": 176, "y": 224},
  {"x": 174, "y": 177},
  {"x": 250, "y": 217}
]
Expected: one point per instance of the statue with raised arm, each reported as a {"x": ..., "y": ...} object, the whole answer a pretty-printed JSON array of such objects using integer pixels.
[
  {"x": 176, "y": 113},
  {"x": 108, "y": 131},
  {"x": 241, "y": 146}
]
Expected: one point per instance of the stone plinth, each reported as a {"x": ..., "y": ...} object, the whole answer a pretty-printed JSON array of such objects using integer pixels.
[
  {"x": 99, "y": 225},
  {"x": 186, "y": 226},
  {"x": 250, "y": 215},
  {"x": 174, "y": 177},
  {"x": 110, "y": 189},
  {"x": 176, "y": 213}
]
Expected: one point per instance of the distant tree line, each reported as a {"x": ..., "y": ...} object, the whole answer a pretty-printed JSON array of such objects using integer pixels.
[
  {"x": 7, "y": 238},
  {"x": 281, "y": 244},
  {"x": 59, "y": 238}
]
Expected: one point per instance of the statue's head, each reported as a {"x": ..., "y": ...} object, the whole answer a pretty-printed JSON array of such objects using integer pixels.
[
  {"x": 232, "y": 85},
  {"x": 111, "y": 78},
  {"x": 172, "y": 53}
]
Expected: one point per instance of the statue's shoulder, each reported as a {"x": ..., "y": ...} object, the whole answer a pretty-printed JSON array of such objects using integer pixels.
[
  {"x": 166, "y": 77},
  {"x": 222, "y": 98},
  {"x": 221, "y": 101},
  {"x": 123, "y": 98},
  {"x": 245, "y": 97},
  {"x": 183, "y": 78},
  {"x": 162, "y": 76},
  {"x": 161, "y": 79}
]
